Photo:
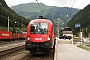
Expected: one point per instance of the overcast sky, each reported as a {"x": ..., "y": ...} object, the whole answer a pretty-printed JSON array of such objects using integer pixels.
[{"x": 61, "y": 3}]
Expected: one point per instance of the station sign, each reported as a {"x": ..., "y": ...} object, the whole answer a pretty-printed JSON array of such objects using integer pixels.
[{"x": 77, "y": 25}]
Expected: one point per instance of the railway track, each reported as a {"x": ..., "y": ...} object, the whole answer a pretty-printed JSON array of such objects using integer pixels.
[
  {"x": 10, "y": 52},
  {"x": 2, "y": 42},
  {"x": 49, "y": 56},
  {"x": 6, "y": 53}
]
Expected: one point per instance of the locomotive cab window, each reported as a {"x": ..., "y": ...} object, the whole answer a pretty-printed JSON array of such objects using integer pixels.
[
  {"x": 32, "y": 28},
  {"x": 39, "y": 28}
]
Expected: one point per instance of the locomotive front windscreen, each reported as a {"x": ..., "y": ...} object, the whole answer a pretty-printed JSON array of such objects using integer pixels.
[{"x": 39, "y": 28}]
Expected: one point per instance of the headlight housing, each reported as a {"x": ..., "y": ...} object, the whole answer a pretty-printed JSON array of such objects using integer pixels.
[
  {"x": 48, "y": 37},
  {"x": 28, "y": 38}
]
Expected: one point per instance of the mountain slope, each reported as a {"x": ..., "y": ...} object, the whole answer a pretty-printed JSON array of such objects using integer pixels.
[
  {"x": 30, "y": 7},
  {"x": 82, "y": 18},
  {"x": 33, "y": 10},
  {"x": 3, "y": 3},
  {"x": 6, "y": 12},
  {"x": 55, "y": 14}
]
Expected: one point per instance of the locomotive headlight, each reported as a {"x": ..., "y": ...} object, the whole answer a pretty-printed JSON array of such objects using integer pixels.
[
  {"x": 28, "y": 38},
  {"x": 48, "y": 37}
]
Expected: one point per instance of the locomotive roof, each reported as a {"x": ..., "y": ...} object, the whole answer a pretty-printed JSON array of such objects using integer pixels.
[{"x": 41, "y": 20}]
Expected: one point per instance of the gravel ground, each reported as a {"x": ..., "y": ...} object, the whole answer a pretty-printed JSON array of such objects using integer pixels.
[{"x": 17, "y": 57}]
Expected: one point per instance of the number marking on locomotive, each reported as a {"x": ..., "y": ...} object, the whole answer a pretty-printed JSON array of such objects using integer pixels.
[{"x": 38, "y": 38}]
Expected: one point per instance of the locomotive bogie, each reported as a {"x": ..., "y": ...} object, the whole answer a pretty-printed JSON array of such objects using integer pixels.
[
  {"x": 38, "y": 48},
  {"x": 41, "y": 45}
]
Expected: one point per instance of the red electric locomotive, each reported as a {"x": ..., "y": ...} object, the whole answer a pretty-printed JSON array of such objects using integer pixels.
[{"x": 40, "y": 36}]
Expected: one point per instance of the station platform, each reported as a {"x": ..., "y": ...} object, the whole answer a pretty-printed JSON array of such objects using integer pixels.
[
  {"x": 70, "y": 52},
  {"x": 62, "y": 41}
]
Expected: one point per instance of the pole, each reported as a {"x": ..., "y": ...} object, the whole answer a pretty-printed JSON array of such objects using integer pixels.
[
  {"x": 22, "y": 24},
  {"x": 80, "y": 32},
  {"x": 58, "y": 28},
  {"x": 8, "y": 23}
]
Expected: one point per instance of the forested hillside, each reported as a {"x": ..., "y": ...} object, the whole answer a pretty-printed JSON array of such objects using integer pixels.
[
  {"x": 6, "y": 12},
  {"x": 55, "y": 14},
  {"x": 82, "y": 18},
  {"x": 33, "y": 10}
]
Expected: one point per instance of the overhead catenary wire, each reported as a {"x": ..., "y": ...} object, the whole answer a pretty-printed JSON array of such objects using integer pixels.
[
  {"x": 63, "y": 3},
  {"x": 39, "y": 5},
  {"x": 73, "y": 3},
  {"x": 70, "y": 2}
]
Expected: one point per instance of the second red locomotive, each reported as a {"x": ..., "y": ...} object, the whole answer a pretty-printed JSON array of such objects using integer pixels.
[
  {"x": 4, "y": 35},
  {"x": 9, "y": 36},
  {"x": 40, "y": 36}
]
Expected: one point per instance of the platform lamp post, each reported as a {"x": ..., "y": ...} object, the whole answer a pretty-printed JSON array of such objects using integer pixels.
[
  {"x": 14, "y": 30},
  {"x": 63, "y": 24},
  {"x": 66, "y": 20},
  {"x": 15, "y": 24}
]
